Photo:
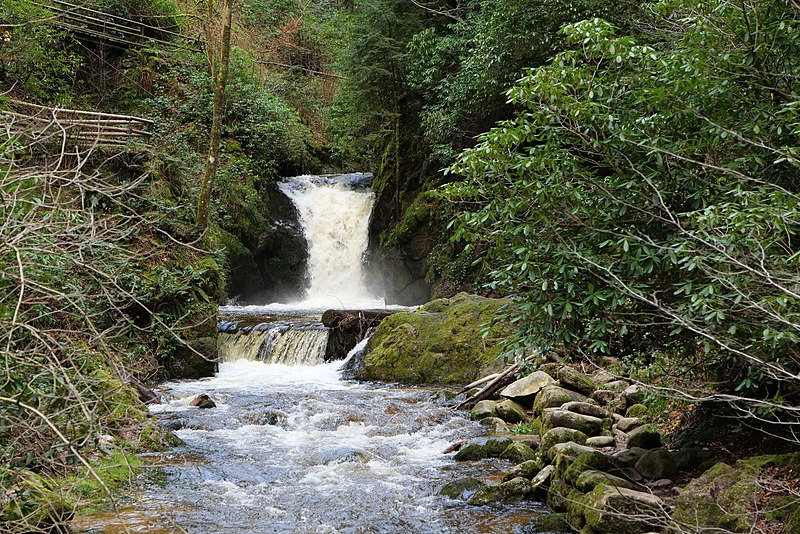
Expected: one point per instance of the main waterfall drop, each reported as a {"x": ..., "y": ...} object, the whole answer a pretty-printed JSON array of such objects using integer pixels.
[{"x": 334, "y": 213}]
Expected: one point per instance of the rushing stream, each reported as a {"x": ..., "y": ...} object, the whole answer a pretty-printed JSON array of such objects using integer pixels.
[{"x": 291, "y": 447}]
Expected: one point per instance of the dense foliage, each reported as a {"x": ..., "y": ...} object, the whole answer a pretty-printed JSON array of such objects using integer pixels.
[{"x": 643, "y": 200}]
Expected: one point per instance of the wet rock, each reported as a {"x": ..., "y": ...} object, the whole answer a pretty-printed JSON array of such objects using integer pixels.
[
  {"x": 527, "y": 469},
  {"x": 269, "y": 417},
  {"x": 347, "y": 327},
  {"x": 202, "y": 401},
  {"x": 553, "y": 397},
  {"x": 589, "y": 425},
  {"x": 646, "y": 437},
  {"x": 462, "y": 489},
  {"x": 656, "y": 463},
  {"x": 482, "y": 448},
  {"x": 495, "y": 424},
  {"x": 512, "y": 491},
  {"x": 558, "y": 435},
  {"x": 483, "y": 409},
  {"x": 511, "y": 412},
  {"x": 525, "y": 389},
  {"x": 541, "y": 482},
  {"x": 518, "y": 452},
  {"x": 601, "y": 441},
  {"x": 570, "y": 378},
  {"x": 552, "y": 523},
  {"x": 592, "y": 478},
  {"x": 587, "y": 408}
]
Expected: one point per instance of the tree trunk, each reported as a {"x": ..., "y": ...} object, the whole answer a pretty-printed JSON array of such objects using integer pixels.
[{"x": 220, "y": 71}]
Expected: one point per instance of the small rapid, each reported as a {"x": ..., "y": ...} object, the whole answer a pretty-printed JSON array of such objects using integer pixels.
[{"x": 296, "y": 449}]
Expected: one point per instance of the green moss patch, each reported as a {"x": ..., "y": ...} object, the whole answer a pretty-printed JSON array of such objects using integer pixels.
[{"x": 442, "y": 343}]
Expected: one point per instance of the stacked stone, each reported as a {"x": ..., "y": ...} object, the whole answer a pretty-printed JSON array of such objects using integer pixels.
[{"x": 591, "y": 458}]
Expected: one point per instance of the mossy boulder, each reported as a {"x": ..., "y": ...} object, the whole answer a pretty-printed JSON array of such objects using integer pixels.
[
  {"x": 558, "y": 435},
  {"x": 573, "y": 379},
  {"x": 483, "y": 409},
  {"x": 721, "y": 498},
  {"x": 463, "y": 488},
  {"x": 518, "y": 452},
  {"x": 511, "y": 412},
  {"x": 588, "y": 424},
  {"x": 512, "y": 491},
  {"x": 612, "y": 509},
  {"x": 591, "y": 478},
  {"x": 527, "y": 469},
  {"x": 444, "y": 346},
  {"x": 646, "y": 437},
  {"x": 483, "y": 448},
  {"x": 553, "y": 397}
]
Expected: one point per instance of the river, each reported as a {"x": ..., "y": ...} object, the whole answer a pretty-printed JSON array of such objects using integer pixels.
[{"x": 291, "y": 447}]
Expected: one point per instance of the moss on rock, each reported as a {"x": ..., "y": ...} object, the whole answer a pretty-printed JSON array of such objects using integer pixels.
[{"x": 441, "y": 343}]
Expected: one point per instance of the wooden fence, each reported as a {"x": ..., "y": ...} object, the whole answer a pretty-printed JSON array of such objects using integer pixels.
[{"x": 74, "y": 126}]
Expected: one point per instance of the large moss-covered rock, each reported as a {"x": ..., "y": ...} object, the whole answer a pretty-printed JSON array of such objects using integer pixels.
[
  {"x": 589, "y": 425},
  {"x": 511, "y": 412},
  {"x": 611, "y": 509},
  {"x": 553, "y": 397},
  {"x": 721, "y": 498},
  {"x": 440, "y": 343},
  {"x": 463, "y": 488},
  {"x": 512, "y": 491},
  {"x": 525, "y": 389}
]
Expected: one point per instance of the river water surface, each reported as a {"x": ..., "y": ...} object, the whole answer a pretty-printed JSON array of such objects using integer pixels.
[{"x": 296, "y": 449}]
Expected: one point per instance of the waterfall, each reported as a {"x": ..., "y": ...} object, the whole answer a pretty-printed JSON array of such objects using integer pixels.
[
  {"x": 279, "y": 344},
  {"x": 334, "y": 214}
]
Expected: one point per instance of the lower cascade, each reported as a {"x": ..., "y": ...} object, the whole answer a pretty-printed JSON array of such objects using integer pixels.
[{"x": 282, "y": 344}]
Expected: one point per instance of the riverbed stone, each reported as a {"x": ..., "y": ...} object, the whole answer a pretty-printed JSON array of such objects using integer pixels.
[
  {"x": 525, "y": 389},
  {"x": 568, "y": 449},
  {"x": 656, "y": 463},
  {"x": 571, "y": 378},
  {"x": 601, "y": 441},
  {"x": 629, "y": 457},
  {"x": 611, "y": 509},
  {"x": 495, "y": 424},
  {"x": 553, "y": 397},
  {"x": 511, "y": 412},
  {"x": 512, "y": 491},
  {"x": 561, "y": 435},
  {"x": 626, "y": 424},
  {"x": 202, "y": 401},
  {"x": 633, "y": 394},
  {"x": 646, "y": 437},
  {"x": 527, "y": 469},
  {"x": 482, "y": 409},
  {"x": 587, "y": 408},
  {"x": 589, "y": 425},
  {"x": 462, "y": 489},
  {"x": 518, "y": 452},
  {"x": 591, "y": 478}
]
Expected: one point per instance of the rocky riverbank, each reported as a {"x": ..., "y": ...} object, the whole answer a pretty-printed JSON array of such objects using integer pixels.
[{"x": 583, "y": 444}]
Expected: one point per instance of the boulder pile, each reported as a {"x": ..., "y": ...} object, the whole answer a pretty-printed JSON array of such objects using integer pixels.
[{"x": 590, "y": 454}]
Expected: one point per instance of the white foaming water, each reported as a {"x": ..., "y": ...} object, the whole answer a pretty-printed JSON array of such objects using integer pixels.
[{"x": 335, "y": 221}]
